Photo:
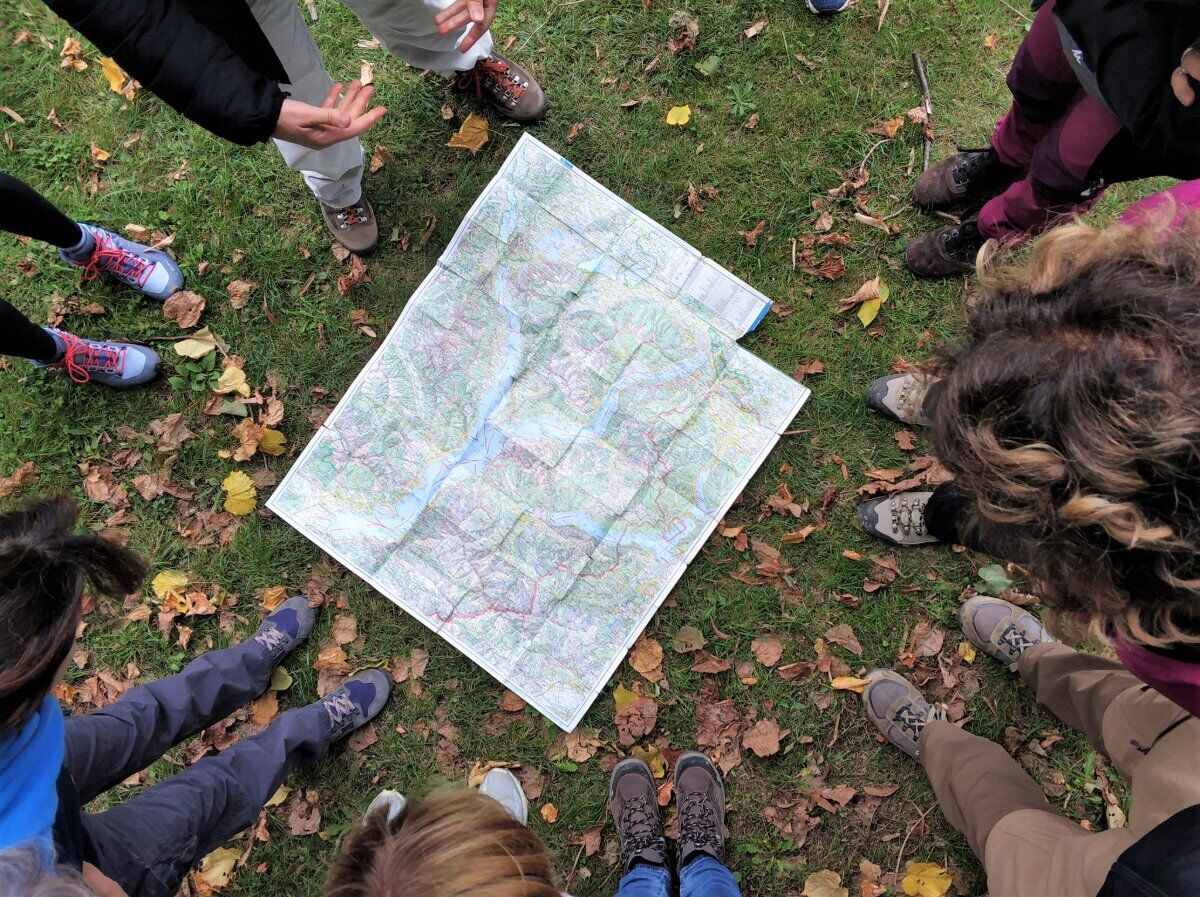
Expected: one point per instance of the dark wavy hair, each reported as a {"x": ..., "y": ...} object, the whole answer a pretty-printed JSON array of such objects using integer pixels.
[
  {"x": 1070, "y": 416},
  {"x": 44, "y": 565}
]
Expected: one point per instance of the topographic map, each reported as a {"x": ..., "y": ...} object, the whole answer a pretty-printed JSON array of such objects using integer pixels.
[{"x": 551, "y": 430}]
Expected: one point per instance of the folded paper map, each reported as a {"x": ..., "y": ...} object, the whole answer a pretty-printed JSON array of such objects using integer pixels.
[{"x": 547, "y": 435}]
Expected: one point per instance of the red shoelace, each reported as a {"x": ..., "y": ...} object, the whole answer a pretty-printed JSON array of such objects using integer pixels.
[
  {"x": 81, "y": 358},
  {"x": 498, "y": 73},
  {"x": 352, "y": 215},
  {"x": 109, "y": 257}
]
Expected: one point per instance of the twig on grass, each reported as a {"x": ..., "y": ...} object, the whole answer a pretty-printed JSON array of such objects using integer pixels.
[
  {"x": 1017, "y": 11},
  {"x": 912, "y": 828},
  {"x": 927, "y": 102},
  {"x": 887, "y": 4}
]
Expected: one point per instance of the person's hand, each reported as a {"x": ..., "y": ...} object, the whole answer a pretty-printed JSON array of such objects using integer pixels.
[
  {"x": 1181, "y": 79},
  {"x": 477, "y": 13},
  {"x": 340, "y": 117}
]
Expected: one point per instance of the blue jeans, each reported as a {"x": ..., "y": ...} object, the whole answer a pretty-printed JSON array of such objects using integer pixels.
[{"x": 702, "y": 877}]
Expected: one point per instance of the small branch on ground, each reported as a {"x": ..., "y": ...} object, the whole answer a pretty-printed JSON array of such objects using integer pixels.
[{"x": 927, "y": 102}]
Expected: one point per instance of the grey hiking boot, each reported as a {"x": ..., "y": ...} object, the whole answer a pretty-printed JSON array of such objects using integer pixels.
[
  {"x": 700, "y": 795},
  {"x": 898, "y": 710},
  {"x": 119, "y": 365},
  {"x": 898, "y": 518},
  {"x": 506, "y": 86},
  {"x": 151, "y": 272},
  {"x": 354, "y": 226},
  {"x": 634, "y": 805},
  {"x": 901, "y": 397},
  {"x": 505, "y": 789},
  {"x": 1000, "y": 629},
  {"x": 285, "y": 627},
  {"x": 357, "y": 702}
]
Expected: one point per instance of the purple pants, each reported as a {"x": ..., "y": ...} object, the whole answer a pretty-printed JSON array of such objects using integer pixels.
[{"x": 1055, "y": 132}]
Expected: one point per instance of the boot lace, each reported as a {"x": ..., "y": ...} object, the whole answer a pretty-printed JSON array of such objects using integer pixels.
[
  {"x": 640, "y": 829},
  {"x": 1015, "y": 640},
  {"x": 272, "y": 638},
  {"x": 913, "y": 720},
  {"x": 82, "y": 358},
  {"x": 698, "y": 822},
  {"x": 972, "y": 164},
  {"x": 962, "y": 241},
  {"x": 341, "y": 709},
  {"x": 123, "y": 263},
  {"x": 496, "y": 77},
  {"x": 349, "y": 216},
  {"x": 908, "y": 515},
  {"x": 911, "y": 400}
]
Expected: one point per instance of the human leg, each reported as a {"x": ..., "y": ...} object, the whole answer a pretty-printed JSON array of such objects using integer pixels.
[
  {"x": 148, "y": 843},
  {"x": 1063, "y": 178},
  {"x": 26, "y": 212},
  {"x": 645, "y": 880},
  {"x": 706, "y": 876},
  {"x": 334, "y": 174},
  {"x": 106, "y": 747},
  {"x": 21, "y": 337}
]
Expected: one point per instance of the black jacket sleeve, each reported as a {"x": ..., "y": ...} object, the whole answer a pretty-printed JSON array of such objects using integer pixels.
[{"x": 192, "y": 68}]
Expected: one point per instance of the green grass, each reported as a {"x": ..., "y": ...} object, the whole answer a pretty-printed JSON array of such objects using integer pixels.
[{"x": 592, "y": 57}]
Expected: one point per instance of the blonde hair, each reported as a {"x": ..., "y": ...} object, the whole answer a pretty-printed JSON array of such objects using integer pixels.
[
  {"x": 449, "y": 844},
  {"x": 1070, "y": 417}
]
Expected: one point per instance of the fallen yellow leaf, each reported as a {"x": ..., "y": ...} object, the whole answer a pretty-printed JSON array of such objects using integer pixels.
[
  {"x": 550, "y": 813},
  {"x": 233, "y": 379},
  {"x": 967, "y": 652},
  {"x": 217, "y": 868},
  {"x": 868, "y": 311},
  {"x": 472, "y": 135},
  {"x": 281, "y": 679},
  {"x": 281, "y": 793},
  {"x": 926, "y": 880},
  {"x": 653, "y": 758},
  {"x": 198, "y": 344},
  {"x": 118, "y": 80},
  {"x": 169, "y": 582},
  {"x": 825, "y": 883},
  {"x": 679, "y": 115},
  {"x": 100, "y": 155},
  {"x": 623, "y": 697},
  {"x": 849, "y": 683},
  {"x": 271, "y": 442},
  {"x": 242, "y": 496}
]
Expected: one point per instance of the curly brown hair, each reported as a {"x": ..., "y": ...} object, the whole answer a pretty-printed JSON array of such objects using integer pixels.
[
  {"x": 457, "y": 843},
  {"x": 1070, "y": 417}
]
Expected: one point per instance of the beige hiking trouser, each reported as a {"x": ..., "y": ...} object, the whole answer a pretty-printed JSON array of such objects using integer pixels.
[
  {"x": 404, "y": 27},
  {"x": 1028, "y": 848}
]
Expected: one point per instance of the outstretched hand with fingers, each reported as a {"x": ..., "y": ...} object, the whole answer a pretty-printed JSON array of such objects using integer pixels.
[
  {"x": 477, "y": 13},
  {"x": 340, "y": 117},
  {"x": 1182, "y": 78}
]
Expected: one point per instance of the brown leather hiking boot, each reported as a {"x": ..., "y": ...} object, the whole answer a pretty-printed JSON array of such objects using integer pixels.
[
  {"x": 634, "y": 805},
  {"x": 506, "y": 86},
  {"x": 1000, "y": 629},
  {"x": 965, "y": 181},
  {"x": 945, "y": 252},
  {"x": 354, "y": 226},
  {"x": 898, "y": 710},
  {"x": 701, "y": 799}
]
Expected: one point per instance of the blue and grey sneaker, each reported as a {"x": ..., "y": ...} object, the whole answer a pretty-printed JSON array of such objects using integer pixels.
[
  {"x": 1001, "y": 629},
  {"x": 286, "y": 627},
  {"x": 826, "y": 7},
  {"x": 357, "y": 702},
  {"x": 119, "y": 365},
  {"x": 898, "y": 710},
  {"x": 149, "y": 271}
]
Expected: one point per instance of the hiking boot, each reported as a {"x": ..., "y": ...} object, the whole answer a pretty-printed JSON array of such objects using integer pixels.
[
  {"x": 285, "y": 627},
  {"x": 964, "y": 181},
  {"x": 898, "y": 710},
  {"x": 901, "y": 397},
  {"x": 898, "y": 518},
  {"x": 1000, "y": 629},
  {"x": 945, "y": 252},
  {"x": 356, "y": 702},
  {"x": 634, "y": 805},
  {"x": 151, "y": 272},
  {"x": 505, "y": 789},
  {"x": 506, "y": 86},
  {"x": 354, "y": 226},
  {"x": 701, "y": 799},
  {"x": 119, "y": 365}
]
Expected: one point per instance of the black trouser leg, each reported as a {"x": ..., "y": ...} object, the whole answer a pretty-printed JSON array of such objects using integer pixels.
[
  {"x": 26, "y": 212},
  {"x": 21, "y": 337}
]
